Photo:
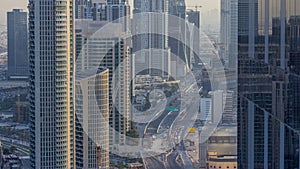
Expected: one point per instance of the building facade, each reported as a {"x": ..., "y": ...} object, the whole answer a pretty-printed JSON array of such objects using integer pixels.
[
  {"x": 221, "y": 161},
  {"x": 229, "y": 112},
  {"x": 119, "y": 11},
  {"x": 110, "y": 49},
  {"x": 193, "y": 18},
  {"x": 51, "y": 58},
  {"x": 150, "y": 38},
  {"x": 268, "y": 84},
  {"x": 17, "y": 43},
  {"x": 104, "y": 10},
  {"x": 92, "y": 122},
  {"x": 155, "y": 24},
  {"x": 229, "y": 32},
  {"x": 181, "y": 37},
  {"x": 83, "y": 9},
  {"x": 206, "y": 109}
]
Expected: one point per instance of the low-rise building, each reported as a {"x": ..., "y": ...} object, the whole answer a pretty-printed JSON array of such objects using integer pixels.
[{"x": 221, "y": 161}]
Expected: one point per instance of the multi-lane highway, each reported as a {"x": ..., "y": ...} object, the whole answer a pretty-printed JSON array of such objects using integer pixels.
[
  {"x": 177, "y": 157},
  {"x": 153, "y": 162},
  {"x": 154, "y": 127},
  {"x": 22, "y": 149},
  {"x": 153, "y": 124}
]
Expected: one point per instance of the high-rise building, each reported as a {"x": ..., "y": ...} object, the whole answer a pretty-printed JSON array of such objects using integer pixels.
[
  {"x": 177, "y": 23},
  {"x": 17, "y": 44},
  {"x": 88, "y": 9},
  {"x": 193, "y": 18},
  {"x": 150, "y": 37},
  {"x": 99, "y": 11},
  {"x": 105, "y": 44},
  {"x": 229, "y": 32},
  {"x": 178, "y": 36},
  {"x": 83, "y": 9},
  {"x": 104, "y": 10},
  {"x": 119, "y": 11},
  {"x": 51, "y": 61},
  {"x": 156, "y": 25},
  {"x": 268, "y": 84},
  {"x": 92, "y": 118}
]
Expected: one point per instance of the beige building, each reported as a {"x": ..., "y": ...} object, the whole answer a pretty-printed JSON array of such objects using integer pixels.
[
  {"x": 92, "y": 123},
  {"x": 51, "y": 98},
  {"x": 105, "y": 44},
  {"x": 219, "y": 148},
  {"x": 221, "y": 162}
]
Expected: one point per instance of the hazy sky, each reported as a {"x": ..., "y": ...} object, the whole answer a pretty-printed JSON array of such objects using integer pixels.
[{"x": 7, "y": 5}]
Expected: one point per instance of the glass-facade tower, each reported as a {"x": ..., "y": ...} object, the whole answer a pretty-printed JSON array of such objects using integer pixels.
[
  {"x": 92, "y": 122},
  {"x": 17, "y": 40},
  {"x": 268, "y": 84},
  {"x": 100, "y": 46},
  {"x": 228, "y": 33}
]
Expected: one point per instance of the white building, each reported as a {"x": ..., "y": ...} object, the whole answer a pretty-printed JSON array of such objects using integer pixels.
[
  {"x": 206, "y": 109},
  {"x": 218, "y": 107}
]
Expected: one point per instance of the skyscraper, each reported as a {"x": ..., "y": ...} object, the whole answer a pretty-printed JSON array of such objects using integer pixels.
[
  {"x": 150, "y": 37},
  {"x": 268, "y": 84},
  {"x": 228, "y": 32},
  {"x": 83, "y": 9},
  {"x": 51, "y": 58},
  {"x": 17, "y": 44},
  {"x": 92, "y": 118},
  {"x": 194, "y": 20},
  {"x": 179, "y": 35},
  {"x": 104, "y": 10},
  {"x": 152, "y": 24},
  {"x": 105, "y": 44},
  {"x": 194, "y": 17},
  {"x": 119, "y": 11},
  {"x": 99, "y": 11}
]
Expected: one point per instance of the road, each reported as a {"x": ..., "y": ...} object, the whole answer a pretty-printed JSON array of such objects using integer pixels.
[
  {"x": 24, "y": 144},
  {"x": 187, "y": 163},
  {"x": 153, "y": 162},
  {"x": 167, "y": 121},
  {"x": 173, "y": 161},
  {"x": 163, "y": 121},
  {"x": 22, "y": 150},
  {"x": 152, "y": 126},
  {"x": 178, "y": 157}
]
